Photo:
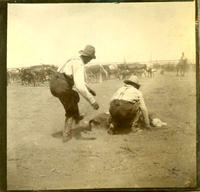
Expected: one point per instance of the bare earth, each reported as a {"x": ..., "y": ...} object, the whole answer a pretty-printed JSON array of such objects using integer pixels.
[{"x": 163, "y": 157}]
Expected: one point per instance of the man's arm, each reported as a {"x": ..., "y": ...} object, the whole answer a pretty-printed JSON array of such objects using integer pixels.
[
  {"x": 90, "y": 90},
  {"x": 79, "y": 81},
  {"x": 144, "y": 111}
]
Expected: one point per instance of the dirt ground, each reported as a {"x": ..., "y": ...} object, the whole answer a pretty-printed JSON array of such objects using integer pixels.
[{"x": 163, "y": 157}]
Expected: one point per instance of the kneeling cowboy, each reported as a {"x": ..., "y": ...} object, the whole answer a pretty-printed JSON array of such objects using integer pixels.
[
  {"x": 61, "y": 86},
  {"x": 127, "y": 107}
]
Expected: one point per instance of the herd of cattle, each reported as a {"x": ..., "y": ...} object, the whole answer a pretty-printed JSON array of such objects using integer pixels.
[
  {"x": 37, "y": 75},
  {"x": 98, "y": 73}
]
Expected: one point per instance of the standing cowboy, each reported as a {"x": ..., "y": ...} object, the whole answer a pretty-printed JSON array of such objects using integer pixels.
[
  {"x": 127, "y": 107},
  {"x": 182, "y": 57},
  {"x": 70, "y": 75}
]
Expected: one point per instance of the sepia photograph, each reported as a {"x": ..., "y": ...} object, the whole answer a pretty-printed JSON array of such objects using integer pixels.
[{"x": 101, "y": 95}]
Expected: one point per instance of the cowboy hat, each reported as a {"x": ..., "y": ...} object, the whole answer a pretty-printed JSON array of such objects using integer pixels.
[
  {"x": 133, "y": 80},
  {"x": 89, "y": 51}
]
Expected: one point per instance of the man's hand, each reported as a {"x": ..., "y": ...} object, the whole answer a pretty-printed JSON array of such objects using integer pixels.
[{"x": 95, "y": 106}]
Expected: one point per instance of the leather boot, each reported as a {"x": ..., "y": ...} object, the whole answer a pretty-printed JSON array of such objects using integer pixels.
[{"x": 67, "y": 131}]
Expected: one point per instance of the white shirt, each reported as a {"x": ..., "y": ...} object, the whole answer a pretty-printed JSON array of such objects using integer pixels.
[
  {"x": 131, "y": 94},
  {"x": 75, "y": 67},
  {"x": 128, "y": 93}
]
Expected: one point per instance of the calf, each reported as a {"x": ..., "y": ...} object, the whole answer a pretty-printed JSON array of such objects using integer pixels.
[{"x": 100, "y": 121}]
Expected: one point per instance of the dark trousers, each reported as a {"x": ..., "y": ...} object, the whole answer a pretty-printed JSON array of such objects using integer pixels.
[
  {"x": 61, "y": 87},
  {"x": 123, "y": 113},
  {"x": 70, "y": 101}
]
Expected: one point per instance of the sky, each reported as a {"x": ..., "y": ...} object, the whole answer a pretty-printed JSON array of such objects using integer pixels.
[{"x": 131, "y": 32}]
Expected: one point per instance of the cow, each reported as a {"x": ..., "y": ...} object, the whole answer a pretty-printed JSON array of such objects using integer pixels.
[
  {"x": 95, "y": 73},
  {"x": 49, "y": 72},
  {"x": 101, "y": 120},
  {"x": 112, "y": 70},
  {"x": 42, "y": 73},
  {"x": 27, "y": 77},
  {"x": 149, "y": 71},
  {"x": 124, "y": 73},
  {"x": 39, "y": 72},
  {"x": 132, "y": 69},
  {"x": 13, "y": 75}
]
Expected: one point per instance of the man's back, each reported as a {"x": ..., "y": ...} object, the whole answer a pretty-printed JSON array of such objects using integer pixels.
[
  {"x": 127, "y": 93},
  {"x": 67, "y": 68}
]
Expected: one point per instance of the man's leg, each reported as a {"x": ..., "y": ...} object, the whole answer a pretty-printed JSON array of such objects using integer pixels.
[
  {"x": 74, "y": 111},
  {"x": 76, "y": 114},
  {"x": 66, "y": 101},
  {"x": 136, "y": 119},
  {"x": 120, "y": 112},
  {"x": 70, "y": 103},
  {"x": 67, "y": 131},
  {"x": 113, "y": 116},
  {"x": 139, "y": 122}
]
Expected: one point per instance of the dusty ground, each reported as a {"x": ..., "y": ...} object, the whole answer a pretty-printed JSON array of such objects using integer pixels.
[{"x": 164, "y": 157}]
